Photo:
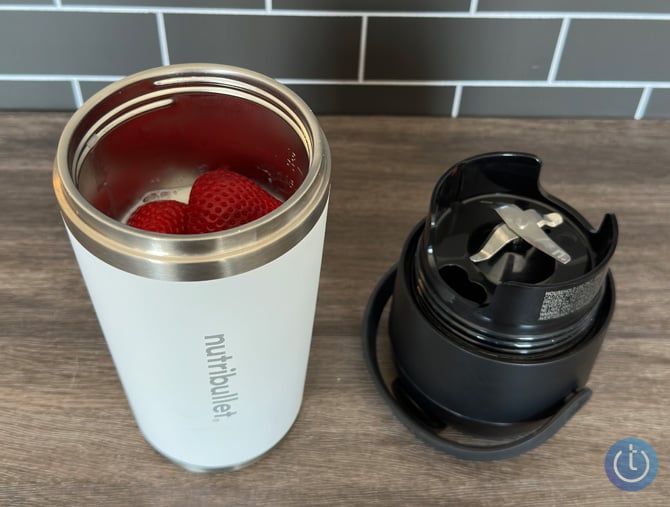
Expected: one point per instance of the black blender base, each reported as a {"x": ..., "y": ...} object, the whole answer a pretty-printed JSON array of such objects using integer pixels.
[{"x": 502, "y": 441}]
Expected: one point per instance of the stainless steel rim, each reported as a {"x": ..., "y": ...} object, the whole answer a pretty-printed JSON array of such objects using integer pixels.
[{"x": 202, "y": 256}]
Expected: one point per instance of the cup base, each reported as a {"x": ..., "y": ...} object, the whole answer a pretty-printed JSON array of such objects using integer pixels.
[
  {"x": 204, "y": 470},
  {"x": 199, "y": 469}
]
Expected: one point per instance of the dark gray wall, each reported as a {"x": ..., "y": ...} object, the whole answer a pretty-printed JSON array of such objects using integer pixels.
[{"x": 574, "y": 58}]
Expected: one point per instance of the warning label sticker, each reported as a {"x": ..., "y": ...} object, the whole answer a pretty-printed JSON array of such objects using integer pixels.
[{"x": 560, "y": 303}]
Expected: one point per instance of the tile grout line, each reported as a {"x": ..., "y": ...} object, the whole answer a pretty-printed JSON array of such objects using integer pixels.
[
  {"x": 362, "y": 49},
  {"x": 642, "y": 105},
  {"x": 162, "y": 39},
  {"x": 456, "y": 104},
  {"x": 76, "y": 93},
  {"x": 381, "y": 82},
  {"x": 59, "y": 77},
  {"x": 558, "y": 50},
  {"x": 482, "y": 83},
  {"x": 326, "y": 13}
]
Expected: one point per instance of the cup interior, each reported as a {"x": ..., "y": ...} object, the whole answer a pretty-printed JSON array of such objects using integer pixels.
[{"x": 150, "y": 137}]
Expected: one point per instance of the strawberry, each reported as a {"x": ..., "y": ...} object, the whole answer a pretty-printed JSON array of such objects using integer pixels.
[
  {"x": 160, "y": 216},
  {"x": 222, "y": 199}
]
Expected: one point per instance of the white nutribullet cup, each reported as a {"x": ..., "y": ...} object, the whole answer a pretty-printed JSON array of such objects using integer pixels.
[{"x": 210, "y": 333}]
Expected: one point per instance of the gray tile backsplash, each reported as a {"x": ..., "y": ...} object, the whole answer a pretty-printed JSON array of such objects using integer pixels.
[
  {"x": 371, "y": 99},
  {"x": 26, "y": 2},
  {"x": 77, "y": 43},
  {"x": 617, "y": 50},
  {"x": 460, "y": 49},
  {"x": 548, "y": 58},
  {"x": 549, "y": 102},
  {"x": 42, "y": 95},
  {"x": 302, "y": 47},
  {"x": 659, "y": 104},
  {"x": 240, "y": 4},
  {"x": 576, "y": 5},
  {"x": 90, "y": 88},
  {"x": 374, "y": 5}
]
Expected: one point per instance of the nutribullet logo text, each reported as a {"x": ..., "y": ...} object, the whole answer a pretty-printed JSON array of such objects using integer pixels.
[{"x": 220, "y": 374}]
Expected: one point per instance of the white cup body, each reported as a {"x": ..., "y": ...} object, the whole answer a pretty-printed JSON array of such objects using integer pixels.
[
  {"x": 213, "y": 370},
  {"x": 210, "y": 333}
]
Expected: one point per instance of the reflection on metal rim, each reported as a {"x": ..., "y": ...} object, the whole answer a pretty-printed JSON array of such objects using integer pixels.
[{"x": 201, "y": 256}]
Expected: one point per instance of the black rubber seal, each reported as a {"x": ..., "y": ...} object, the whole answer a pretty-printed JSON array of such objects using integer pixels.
[{"x": 425, "y": 427}]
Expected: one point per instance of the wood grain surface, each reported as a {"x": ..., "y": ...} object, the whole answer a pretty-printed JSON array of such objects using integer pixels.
[{"x": 67, "y": 436}]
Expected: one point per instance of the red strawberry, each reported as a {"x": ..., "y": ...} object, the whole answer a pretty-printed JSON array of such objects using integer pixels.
[
  {"x": 160, "y": 216},
  {"x": 223, "y": 199}
]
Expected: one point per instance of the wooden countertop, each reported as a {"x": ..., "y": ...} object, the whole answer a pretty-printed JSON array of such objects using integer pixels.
[{"x": 67, "y": 436}]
